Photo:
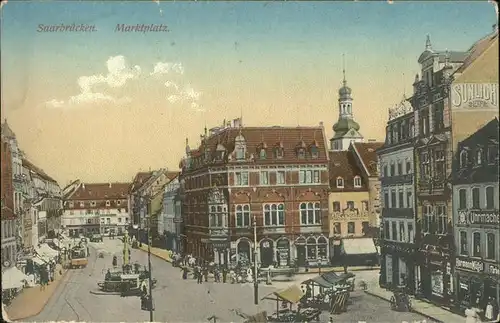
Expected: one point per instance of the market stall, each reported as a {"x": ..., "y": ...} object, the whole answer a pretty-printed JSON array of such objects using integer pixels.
[
  {"x": 13, "y": 278},
  {"x": 289, "y": 297}
]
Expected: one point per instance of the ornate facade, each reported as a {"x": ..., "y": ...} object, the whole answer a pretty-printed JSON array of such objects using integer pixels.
[{"x": 275, "y": 176}]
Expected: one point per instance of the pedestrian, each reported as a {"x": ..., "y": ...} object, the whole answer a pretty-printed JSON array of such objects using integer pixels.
[
  {"x": 224, "y": 275},
  {"x": 184, "y": 273},
  {"x": 205, "y": 273}
]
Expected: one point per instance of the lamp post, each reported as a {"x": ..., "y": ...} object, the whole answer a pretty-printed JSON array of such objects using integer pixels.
[
  {"x": 147, "y": 199},
  {"x": 255, "y": 279}
]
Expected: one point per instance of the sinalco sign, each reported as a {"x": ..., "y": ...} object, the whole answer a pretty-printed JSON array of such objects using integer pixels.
[
  {"x": 475, "y": 96},
  {"x": 478, "y": 217}
]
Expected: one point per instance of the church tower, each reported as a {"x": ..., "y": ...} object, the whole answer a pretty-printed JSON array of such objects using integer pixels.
[{"x": 346, "y": 130}]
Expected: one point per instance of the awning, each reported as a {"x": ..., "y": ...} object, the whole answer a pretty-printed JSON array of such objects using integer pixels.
[
  {"x": 318, "y": 280},
  {"x": 292, "y": 294},
  {"x": 47, "y": 251},
  {"x": 362, "y": 246},
  {"x": 13, "y": 278}
]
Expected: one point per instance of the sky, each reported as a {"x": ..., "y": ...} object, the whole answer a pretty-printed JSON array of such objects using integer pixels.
[{"x": 101, "y": 106}]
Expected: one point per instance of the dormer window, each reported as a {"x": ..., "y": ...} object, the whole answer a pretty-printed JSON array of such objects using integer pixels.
[
  {"x": 108, "y": 203},
  {"x": 463, "y": 158},
  {"x": 301, "y": 153},
  {"x": 92, "y": 203},
  {"x": 340, "y": 182},
  {"x": 314, "y": 151},
  {"x": 240, "y": 147},
  {"x": 479, "y": 157},
  {"x": 279, "y": 152},
  {"x": 357, "y": 181},
  {"x": 220, "y": 152},
  {"x": 207, "y": 154},
  {"x": 118, "y": 202},
  {"x": 262, "y": 153},
  {"x": 82, "y": 204}
]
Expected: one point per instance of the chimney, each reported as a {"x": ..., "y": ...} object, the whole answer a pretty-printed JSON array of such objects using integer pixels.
[
  {"x": 83, "y": 186},
  {"x": 109, "y": 185},
  {"x": 321, "y": 124}
]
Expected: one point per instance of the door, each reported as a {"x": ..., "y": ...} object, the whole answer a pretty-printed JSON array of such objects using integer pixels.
[{"x": 301, "y": 255}]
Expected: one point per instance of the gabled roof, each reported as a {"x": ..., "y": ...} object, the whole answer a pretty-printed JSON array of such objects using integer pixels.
[
  {"x": 477, "y": 49},
  {"x": 139, "y": 180},
  {"x": 343, "y": 164},
  {"x": 172, "y": 175},
  {"x": 367, "y": 156},
  {"x": 7, "y": 131},
  {"x": 100, "y": 191},
  {"x": 29, "y": 165}
]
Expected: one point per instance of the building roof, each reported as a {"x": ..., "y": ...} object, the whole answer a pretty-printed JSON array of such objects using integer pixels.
[
  {"x": 100, "y": 191},
  {"x": 7, "y": 131},
  {"x": 477, "y": 49},
  {"x": 344, "y": 125},
  {"x": 269, "y": 138},
  {"x": 367, "y": 153},
  {"x": 38, "y": 171},
  {"x": 139, "y": 180},
  {"x": 343, "y": 164},
  {"x": 172, "y": 175}
]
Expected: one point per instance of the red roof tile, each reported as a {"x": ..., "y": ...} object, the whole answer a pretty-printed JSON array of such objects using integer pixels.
[
  {"x": 29, "y": 165},
  {"x": 289, "y": 138},
  {"x": 367, "y": 152},
  {"x": 343, "y": 164},
  {"x": 139, "y": 180},
  {"x": 100, "y": 191}
]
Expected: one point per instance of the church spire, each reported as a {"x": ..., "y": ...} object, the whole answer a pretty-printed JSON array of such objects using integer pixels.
[
  {"x": 344, "y": 82},
  {"x": 428, "y": 45}
]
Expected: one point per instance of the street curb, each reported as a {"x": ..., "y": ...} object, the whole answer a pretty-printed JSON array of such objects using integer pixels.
[
  {"x": 412, "y": 310},
  {"x": 103, "y": 293},
  {"x": 327, "y": 269},
  {"x": 46, "y": 301}
]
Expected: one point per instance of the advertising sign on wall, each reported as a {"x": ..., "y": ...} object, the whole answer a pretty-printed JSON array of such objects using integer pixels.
[
  {"x": 474, "y": 96},
  {"x": 478, "y": 217}
]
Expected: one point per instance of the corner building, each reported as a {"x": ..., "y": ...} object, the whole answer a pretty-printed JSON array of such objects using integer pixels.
[{"x": 277, "y": 175}]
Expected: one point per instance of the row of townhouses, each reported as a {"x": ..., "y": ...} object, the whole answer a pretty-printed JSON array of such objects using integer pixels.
[
  {"x": 31, "y": 203},
  {"x": 439, "y": 180}
]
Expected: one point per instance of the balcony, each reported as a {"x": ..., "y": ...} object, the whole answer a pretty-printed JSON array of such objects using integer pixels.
[
  {"x": 398, "y": 179},
  {"x": 401, "y": 213}
]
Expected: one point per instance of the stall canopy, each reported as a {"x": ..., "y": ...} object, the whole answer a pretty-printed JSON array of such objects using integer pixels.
[
  {"x": 13, "y": 278},
  {"x": 292, "y": 294},
  {"x": 45, "y": 251},
  {"x": 362, "y": 246},
  {"x": 320, "y": 281},
  {"x": 333, "y": 278}
]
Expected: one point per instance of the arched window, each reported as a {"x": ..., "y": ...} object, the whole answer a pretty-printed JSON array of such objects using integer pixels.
[
  {"x": 310, "y": 213},
  {"x": 274, "y": 214},
  {"x": 463, "y": 158},
  {"x": 312, "y": 248},
  {"x": 490, "y": 198},
  {"x": 340, "y": 182},
  {"x": 357, "y": 181},
  {"x": 242, "y": 216}
]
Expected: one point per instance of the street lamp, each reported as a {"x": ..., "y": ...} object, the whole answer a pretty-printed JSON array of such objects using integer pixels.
[
  {"x": 151, "y": 309},
  {"x": 256, "y": 278}
]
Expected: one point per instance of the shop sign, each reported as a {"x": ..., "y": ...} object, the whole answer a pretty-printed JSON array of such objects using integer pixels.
[
  {"x": 478, "y": 217},
  {"x": 493, "y": 269},
  {"x": 469, "y": 264},
  {"x": 475, "y": 96}
]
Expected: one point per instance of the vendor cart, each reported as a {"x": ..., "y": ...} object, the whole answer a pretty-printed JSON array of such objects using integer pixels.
[{"x": 289, "y": 297}]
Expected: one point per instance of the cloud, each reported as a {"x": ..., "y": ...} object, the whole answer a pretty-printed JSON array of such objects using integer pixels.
[
  {"x": 170, "y": 84},
  {"x": 118, "y": 75},
  {"x": 187, "y": 95},
  {"x": 166, "y": 68}
]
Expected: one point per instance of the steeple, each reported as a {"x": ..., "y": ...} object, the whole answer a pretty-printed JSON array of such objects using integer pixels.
[
  {"x": 428, "y": 45},
  {"x": 345, "y": 98}
]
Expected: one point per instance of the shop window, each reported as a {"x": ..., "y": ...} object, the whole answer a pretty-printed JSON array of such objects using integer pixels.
[
  {"x": 476, "y": 244},
  {"x": 322, "y": 248},
  {"x": 462, "y": 199},
  {"x": 490, "y": 198},
  {"x": 311, "y": 249},
  {"x": 350, "y": 228},
  {"x": 463, "y": 243},
  {"x": 490, "y": 246},
  {"x": 475, "y": 198}
]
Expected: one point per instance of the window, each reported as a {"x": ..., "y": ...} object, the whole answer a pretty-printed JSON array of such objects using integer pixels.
[
  {"x": 264, "y": 178},
  {"x": 401, "y": 199},
  {"x": 393, "y": 199},
  {"x": 385, "y": 171},
  {"x": 409, "y": 199},
  {"x": 357, "y": 181},
  {"x": 306, "y": 176},
  {"x": 243, "y": 216},
  {"x": 387, "y": 230},
  {"x": 241, "y": 178},
  {"x": 108, "y": 203},
  {"x": 118, "y": 202},
  {"x": 301, "y": 153},
  {"x": 410, "y": 233},
  {"x": 387, "y": 203},
  {"x": 350, "y": 228},
  {"x": 408, "y": 167},
  {"x": 310, "y": 213},
  {"x": 89, "y": 221},
  {"x": 364, "y": 205},
  {"x": 217, "y": 214},
  {"x": 240, "y": 153},
  {"x": 475, "y": 198},
  {"x": 336, "y": 206},
  {"x": 340, "y": 182},
  {"x": 274, "y": 214},
  {"x": 490, "y": 246},
  {"x": 119, "y": 220},
  {"x": 462, "y": 199},
  {"x": 280, "y": 177},
  {"x": 337, "y": 229},
  {"x": 350, "y": 205},
  {"x": 442, "y": 219},
  {"x": 492, "y": 154},
  {"x": 108, "y": 221},
  {"x": 427, "y": 227},
  {"x": 463, "y": 158},
  {"x": 365, "y": 225},
  {"x": 402, "y": 233},
  {"x": 82, "y": 204},
  {"x": 393, "y": 169},
  {"x": 278, "y": 152},
  {"x": 394, "y": 230},
  {"x": 400, "y": 168},
  {"x": 440, "y": 163},
  {"x": 479, "y": 157},
  {"x": 490, "y": 198},
  {"x": 476, "y": 244},
  {"x": 262, "y": 153},
  {"x": 314, "y": 152},
  {"x": 424, "y": 165},
  {"x": 316, "y": 176},
  {"x": 92, "y": 203}
]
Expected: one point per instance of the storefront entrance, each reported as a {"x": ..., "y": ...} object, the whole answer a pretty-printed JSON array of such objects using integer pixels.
[
  {"x": 243, "y": 251},
  {"x": 266, "y": 253},
  {"x": 283, "y": 252}
]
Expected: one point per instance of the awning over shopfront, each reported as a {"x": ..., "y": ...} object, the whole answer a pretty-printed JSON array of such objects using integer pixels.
[
  {"x": 362, "y": 246},
  {"x": 292, "y": 294},
  {"x": 45, "y": 251},
  {"x": 13, "y": 278}
]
